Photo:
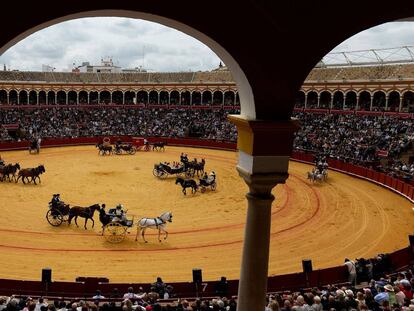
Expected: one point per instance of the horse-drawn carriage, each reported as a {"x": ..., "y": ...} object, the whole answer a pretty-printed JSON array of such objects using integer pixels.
[
  {"x": 115, "y": 224},
  {"x": 208, "y": 181},
  {"x": 162, "y": 170},
  {"x": 34, "y": 146},
  {"x": 58, "y": 213},
  {"x": 125, "y": 148}
]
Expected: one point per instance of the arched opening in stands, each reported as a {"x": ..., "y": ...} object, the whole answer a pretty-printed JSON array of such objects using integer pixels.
[
  {"x": 51, "y": 98},
  {"x": 13, "y": 97},
  {"x": 338, "y": 100},
  {"x": 32, "y": 97},
  {"x": 325, "y": 100},
  {"x": 23, "y": 98},
  {"x": 300, "y": 99},
  {"x": 143, "y": 98},
  {"x": 393, "y": 101},
  {"x": 83, "y": 98},
  {"x": 196, "y": 98},
  {"x": 312, "y": 101},
  {"x": 42, "y": 98},
  {"x": 72, "y": 98},
  {"x": 218, "y": 98},
  {"x": 61, "y": 98},
  {"x": 3, "y": 97},
  {"x": 364, "y": 101},
  {"x": 130, "y": 98},
  {"x": 378, "y": 102},
  {"x": 117, "y": 97},
  {"x": 186, "y": 98},
  {"x": 105, "y": 97},
  {"x": 229, "y": 98},
  {"x": 93, "y": 97},
  {"x": 207, "y": 98},
  {"x": 164, "y": 98},
  {"x": 408, "y": 102},
  {"x": 174, "y": 97},
  {"x": 153, "y": 98},
  {"x": 350, "y": 100}
]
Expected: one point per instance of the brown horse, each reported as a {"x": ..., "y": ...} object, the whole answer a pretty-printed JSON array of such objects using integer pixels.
[
  {"x": 84, "y": 212},
  {"x": 9, "y": 169},
  {"x": 31, "y": 172}
]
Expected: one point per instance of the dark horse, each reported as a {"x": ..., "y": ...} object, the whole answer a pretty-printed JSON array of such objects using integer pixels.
[
  {"x": 158, "y": 146},
  {"x": 103, "y": 149},
  {"x": 31, "y": 172},
  {"x": 9, "y": 169},
  {"x": 198, "y": 166},
  {"x": 190, "y": 183},
  {"x": 84, "y": 212}
]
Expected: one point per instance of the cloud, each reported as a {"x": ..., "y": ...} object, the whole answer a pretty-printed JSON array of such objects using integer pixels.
[{"x": 130, "y": 42}]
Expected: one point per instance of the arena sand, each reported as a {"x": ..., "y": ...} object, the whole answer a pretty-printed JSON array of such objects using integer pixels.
[{"x": 345, "y": 217}]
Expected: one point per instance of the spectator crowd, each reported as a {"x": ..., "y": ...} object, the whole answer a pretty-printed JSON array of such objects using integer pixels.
[{"x": 359, "y": 139}]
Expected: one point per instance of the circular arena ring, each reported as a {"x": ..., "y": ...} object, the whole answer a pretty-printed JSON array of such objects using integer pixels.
[{"x": 343, "y": 217}]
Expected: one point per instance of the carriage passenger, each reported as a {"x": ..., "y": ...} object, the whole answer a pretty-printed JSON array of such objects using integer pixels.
[{"x": 211, "y": 177}]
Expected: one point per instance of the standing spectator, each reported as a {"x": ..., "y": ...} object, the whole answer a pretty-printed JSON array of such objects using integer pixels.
[{"x": 351, "y": 271}]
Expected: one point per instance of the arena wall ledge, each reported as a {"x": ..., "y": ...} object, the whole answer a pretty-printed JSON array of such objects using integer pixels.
[{"x": 86, "y": 287}]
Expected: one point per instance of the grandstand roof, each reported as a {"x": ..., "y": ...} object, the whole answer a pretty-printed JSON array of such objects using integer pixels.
[
  {"x": 219, "y": 76},
  {"x": 373, "y": 57}
]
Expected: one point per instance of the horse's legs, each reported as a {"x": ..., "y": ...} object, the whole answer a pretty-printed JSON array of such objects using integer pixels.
[
  {"x": 143, "y": 233},
  {"x": 159, "y": 233},
  {"x": 70, "y": 219},
  {"x": 138, "y": 229},
  {"x": 34, "y": 179},
  {"x": 93, "y": 222},
  {"x": 86, "y": 220},
  {"x": 165, "y": 231},
  {"x": 76, "y": 222},
  {"x": 185, "y": 193}
]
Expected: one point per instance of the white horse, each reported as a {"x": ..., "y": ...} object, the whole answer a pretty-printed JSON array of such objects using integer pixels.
[
  {"x": 325, "y": 174},
  {"x": 315, "y": 177},
  {"x": 158, "y": 223}
]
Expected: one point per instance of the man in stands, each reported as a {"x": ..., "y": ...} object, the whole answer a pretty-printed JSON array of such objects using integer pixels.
[
  {"x": 351, "y": 271},
  {"x": 132, "y": 296}
]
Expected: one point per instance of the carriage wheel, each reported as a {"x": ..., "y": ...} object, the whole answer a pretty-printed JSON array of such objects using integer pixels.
[
  {"x": 114, "y": 232},
  {"x": 213, "y": 186},
  {"x": 133, "y": 150},
  {"x": 156, "y": 172},
  {"x": 118, "y": 151},
  {"x": 203, "y": 189},
  {"x": 163, "y": 174},
  {"x": 54, "y": 217}
]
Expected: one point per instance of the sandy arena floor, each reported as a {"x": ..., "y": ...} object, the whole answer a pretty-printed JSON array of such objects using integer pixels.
[{"x": 346, "y": 217}]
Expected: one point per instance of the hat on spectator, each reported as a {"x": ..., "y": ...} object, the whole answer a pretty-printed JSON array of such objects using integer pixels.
[
  {"x": 340, "y": 292},
  {"x": 349, "y": 292},
  {"x": 389, "y": 288}
]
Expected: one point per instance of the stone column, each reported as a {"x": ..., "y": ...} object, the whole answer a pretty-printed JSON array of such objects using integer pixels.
[
  {"x": 255, "y": 257},
  {"x": 262, "y": 166},
  {"x": 400, "y": 105}
]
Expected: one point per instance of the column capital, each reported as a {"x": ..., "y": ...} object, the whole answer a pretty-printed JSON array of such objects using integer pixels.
[
  {"x": 261, "y": 184},
  {"x": 264, "y": 146},
  {"x": 264, "y": 137}
]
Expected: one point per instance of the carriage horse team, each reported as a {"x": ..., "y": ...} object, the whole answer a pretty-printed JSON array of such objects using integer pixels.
[
  {"x": 320, "y": 171},
  {"x": 184, "y": 171}
]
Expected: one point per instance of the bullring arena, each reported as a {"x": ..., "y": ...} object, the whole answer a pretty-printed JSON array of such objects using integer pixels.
[{"x": 350, "y": 217}]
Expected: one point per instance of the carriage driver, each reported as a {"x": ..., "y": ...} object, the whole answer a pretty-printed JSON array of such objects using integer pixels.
[{"x": 56, "y": 202}]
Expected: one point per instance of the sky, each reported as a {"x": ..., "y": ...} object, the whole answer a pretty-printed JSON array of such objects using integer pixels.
[
  {"x": 130, "y": 42},
  {"x": 133, "y": 43}
]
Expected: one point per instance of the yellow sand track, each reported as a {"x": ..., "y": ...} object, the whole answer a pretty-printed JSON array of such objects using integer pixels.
[{"x": 345, "y": 217}]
